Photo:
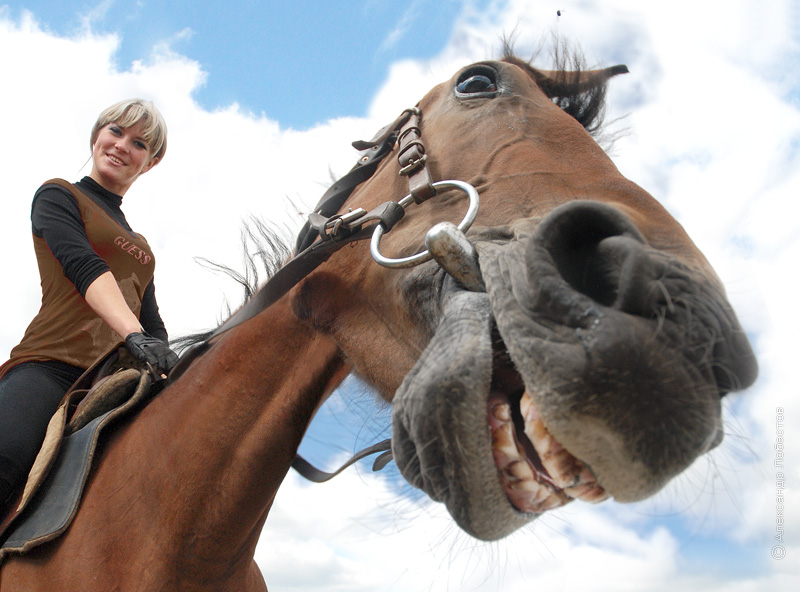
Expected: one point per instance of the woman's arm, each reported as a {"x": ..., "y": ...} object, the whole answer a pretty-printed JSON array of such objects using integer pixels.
[
  {"x": 56, "y": 218},
  {"x": 105, "y": 298},
  {"x": 150, "y": 317}
]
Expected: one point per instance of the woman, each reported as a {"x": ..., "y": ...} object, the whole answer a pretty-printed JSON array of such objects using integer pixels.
[{"x": 97, "y": 285}]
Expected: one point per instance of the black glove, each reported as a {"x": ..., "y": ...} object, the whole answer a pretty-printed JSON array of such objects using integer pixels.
[{"x": 155, "y": 352}]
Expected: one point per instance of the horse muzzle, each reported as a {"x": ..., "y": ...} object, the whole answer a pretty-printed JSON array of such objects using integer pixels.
[{"x": 593, "y": 366}]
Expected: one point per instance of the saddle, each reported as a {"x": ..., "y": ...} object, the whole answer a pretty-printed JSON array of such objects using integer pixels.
[{"x": 113, "y": 387}]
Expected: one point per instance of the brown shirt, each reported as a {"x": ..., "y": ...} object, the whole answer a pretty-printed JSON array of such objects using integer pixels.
[{"x": 66, "y": 328}]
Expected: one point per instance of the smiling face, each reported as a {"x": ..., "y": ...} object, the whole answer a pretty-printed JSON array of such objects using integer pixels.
[
  {"x": 594, "y": 363},
  {"x": 120, "y": 155}
]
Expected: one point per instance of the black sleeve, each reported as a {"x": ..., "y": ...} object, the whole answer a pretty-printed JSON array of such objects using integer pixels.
[
  {"x": 56, "y": 218},
  {"x": 149, "y": 315}
]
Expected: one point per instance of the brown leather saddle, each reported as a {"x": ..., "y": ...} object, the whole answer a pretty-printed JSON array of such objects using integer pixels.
[{"x": 110, "y": 389}]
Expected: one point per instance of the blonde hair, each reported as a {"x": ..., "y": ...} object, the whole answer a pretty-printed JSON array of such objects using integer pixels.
[{"x": 129, "y": 112}]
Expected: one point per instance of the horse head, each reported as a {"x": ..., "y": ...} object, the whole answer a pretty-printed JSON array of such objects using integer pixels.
[{"x": 591, "y": 365}]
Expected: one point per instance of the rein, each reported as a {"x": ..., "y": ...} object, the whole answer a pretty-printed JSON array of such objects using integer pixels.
[{"x": 326, "y": 231}]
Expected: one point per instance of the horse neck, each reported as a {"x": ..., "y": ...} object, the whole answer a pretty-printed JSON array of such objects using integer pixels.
[{"x": 218, "y": 443}]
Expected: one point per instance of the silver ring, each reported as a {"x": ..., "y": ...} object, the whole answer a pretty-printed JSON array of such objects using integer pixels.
[{"x": 423, "y": 256}]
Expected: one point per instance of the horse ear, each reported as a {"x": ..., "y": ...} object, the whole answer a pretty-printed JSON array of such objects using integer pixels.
[{"x": 559, "y": 83}]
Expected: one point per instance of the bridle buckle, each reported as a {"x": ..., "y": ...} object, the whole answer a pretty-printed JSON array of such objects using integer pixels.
[
  {"x": 413, "y": 165},
  {"x": 334, "y": 224}
]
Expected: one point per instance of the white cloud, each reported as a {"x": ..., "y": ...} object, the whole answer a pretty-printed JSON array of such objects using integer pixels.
[
  {"x": 95, "y": 14},
  {"x": 410, "y": 14},
  {"x": 712, "y": 133}
]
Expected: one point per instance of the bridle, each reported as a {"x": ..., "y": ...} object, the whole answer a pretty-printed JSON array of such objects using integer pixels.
[{"x": 326, "y": 231}]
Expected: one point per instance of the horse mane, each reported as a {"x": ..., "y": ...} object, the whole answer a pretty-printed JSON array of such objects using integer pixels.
[
  {"x": 264, "y": 251},
  {"x": 586, "y": 105}
]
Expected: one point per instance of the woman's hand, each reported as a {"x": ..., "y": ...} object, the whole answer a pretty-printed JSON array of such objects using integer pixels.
[{"x": 155, "y": 352}]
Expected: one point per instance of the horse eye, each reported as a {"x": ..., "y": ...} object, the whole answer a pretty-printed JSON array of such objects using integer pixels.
[
  {"x": 477, "y": 84},
  {"x": 478, "y": 81}
]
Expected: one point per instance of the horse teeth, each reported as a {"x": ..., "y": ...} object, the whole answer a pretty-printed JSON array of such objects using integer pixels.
[
  {"x": 537, "y": 433},
  {"x": 520, "y": 470},
  {"x": 528, "y": 494},
  {"x": 502, "y": 412},
  {"x": 530, "y": 486},
  {"x": 526, "y": 404},
  {"x": 586, "y": 476},
  {"x": 588, "y": 492},
  {"x": 552, "y": 502},
  {"x": 568, "y": 474},
  {"x": 537, "y": 497},
  {"x": 504, "y": 442},
  {"x": 564, "y": 468}
]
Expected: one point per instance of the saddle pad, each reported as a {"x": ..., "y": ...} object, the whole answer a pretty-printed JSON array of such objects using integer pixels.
[
  {"x": 54, "y": 504},
  {"x": 50, "y": 512}
]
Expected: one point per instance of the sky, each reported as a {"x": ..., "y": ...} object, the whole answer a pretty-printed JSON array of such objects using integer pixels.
[{"x": 263, "y": 99}]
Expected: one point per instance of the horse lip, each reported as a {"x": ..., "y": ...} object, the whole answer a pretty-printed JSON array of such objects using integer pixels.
[
  {"x": 440, "y": 438},
  {"x": 580, "y": 360},
  {"x": 449, "y": 392}
]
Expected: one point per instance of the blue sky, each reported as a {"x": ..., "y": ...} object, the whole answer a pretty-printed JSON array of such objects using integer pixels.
[
  {"x": 298, "y": 62},
  {"x": 708, "y": 113}
]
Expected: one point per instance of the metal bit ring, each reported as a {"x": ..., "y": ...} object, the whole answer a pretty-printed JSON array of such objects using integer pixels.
[{"x": 425, "y": 255}]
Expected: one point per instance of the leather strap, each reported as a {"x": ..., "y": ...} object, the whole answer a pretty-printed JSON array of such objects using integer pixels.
[
  {"x": 413, "y": 160},
  {"x": 314, "y": 474},
  {"x": 333, "y": 199}
]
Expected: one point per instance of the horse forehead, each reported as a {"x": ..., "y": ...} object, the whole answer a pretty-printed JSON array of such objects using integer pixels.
[
  {"x": 525, "y": 155},
  {"x": 521, "y": 122}
]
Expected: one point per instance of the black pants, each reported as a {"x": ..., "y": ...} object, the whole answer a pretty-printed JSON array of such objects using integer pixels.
[{"x": 29, "y": 395}]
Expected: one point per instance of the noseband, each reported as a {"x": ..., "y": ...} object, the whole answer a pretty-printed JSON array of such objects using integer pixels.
[{"x": 326, "y": 231}]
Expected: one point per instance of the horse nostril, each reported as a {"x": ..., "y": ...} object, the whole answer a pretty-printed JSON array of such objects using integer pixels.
[
  {"x": 600, "y": 254},
  {"x": 630, "y": 273},
  {"x": 590, "y": 268}
]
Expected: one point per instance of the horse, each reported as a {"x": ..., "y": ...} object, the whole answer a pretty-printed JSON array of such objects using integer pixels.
[{"x": 566, "y": 341}]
